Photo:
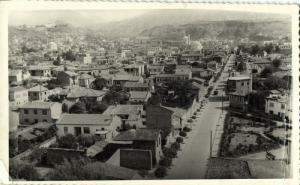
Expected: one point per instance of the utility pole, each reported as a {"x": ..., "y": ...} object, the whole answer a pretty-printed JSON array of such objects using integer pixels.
[
  {"x": 210, "y": 151},
  {"x": 222, "y": 103}
]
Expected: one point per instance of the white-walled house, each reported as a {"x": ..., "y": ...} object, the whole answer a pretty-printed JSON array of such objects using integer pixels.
[
  {"x": 279, "y": 105},
  {"x": 34, "y": 112},
  {"x": 104, "y": 126},
  {"x": 18, "y": 96}
]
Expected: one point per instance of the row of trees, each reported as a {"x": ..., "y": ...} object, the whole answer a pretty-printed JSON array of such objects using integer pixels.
[{"x": 259, "y": 49}]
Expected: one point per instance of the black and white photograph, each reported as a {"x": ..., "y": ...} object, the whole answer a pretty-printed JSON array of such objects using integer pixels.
[{"x": 151, "y": 94}]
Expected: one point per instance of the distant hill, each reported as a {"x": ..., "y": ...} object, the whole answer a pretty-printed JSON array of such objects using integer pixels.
[
  {"x": 222, "y": 29},
  {"x": 197, "y": 22}
]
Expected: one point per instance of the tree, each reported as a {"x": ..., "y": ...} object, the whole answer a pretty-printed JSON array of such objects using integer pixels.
[
  {"x": 269, "y": 48},
  {"x": 255, "y": 49},
  {"x": 256, "y": 100},
  {"x": 86, "y": 140},
  {"x": 154, "y": 100},
  {"x": 98, "y": 83},
  {"x": 78, "y": 108},
  {"x": 266, "y": 72},
  {"x": 55, "y": 98},
  {"x": 97, "y": 108},
  {"x": 69, "y": 55},
  {"x": 160, "y": 172},
  {"x": 82, "y": 169},
  {"x": 241, "y": 66},
  {"x": 276, "y": 62},
  {"x": 68, "y": 141},
  {"x": 274, "y": 82},
  {"x": 21, "y": 170}
]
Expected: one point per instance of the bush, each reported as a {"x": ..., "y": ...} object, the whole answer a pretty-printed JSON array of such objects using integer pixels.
[
  {"x": 182, "y": 134},
  {"x": 160, "y": 172},
  {"x": 170, "y": 152},
  {"x": 68, "y": 141},
  {"x": 167, "y": 161},
  {"x": 193, "y": 117},
  {"x": 21, "y": 170},
  {"x": 176, "y": 146},
  {"x": 179, "y": 140},
  {"x": 190, "y": 121},
  {"x": 86, "y": 140},
  {"x": 186, "y": 129}
]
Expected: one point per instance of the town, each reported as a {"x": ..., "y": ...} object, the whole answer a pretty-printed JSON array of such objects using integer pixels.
[{"x": 85, "y": 106}]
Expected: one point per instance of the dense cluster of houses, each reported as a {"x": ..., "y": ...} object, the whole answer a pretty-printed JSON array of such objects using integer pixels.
[{"x": 133, "y": 67}]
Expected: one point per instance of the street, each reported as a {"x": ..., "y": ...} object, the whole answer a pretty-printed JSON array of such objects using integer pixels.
[{"x": 191, "y": 162}]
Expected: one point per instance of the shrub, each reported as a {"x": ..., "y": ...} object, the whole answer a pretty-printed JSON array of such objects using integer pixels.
[
  {"x": 186, "y": 129},
  {"x": 193, "y": 117},
  {"x": 195, "y": 113},
  {"x": 161, "y": 172},
  {"x": 182, "y": 134},
  {"x": 86, "y": 140},
  {"x": 170, "y": 152},
  {"x": 190, "y": 121},
  {"x": 176, "y": 146},
  {"x": 167, "y": 161},
  {"x": 21, "y": 170},
  {"x": 179, "y": 140}
]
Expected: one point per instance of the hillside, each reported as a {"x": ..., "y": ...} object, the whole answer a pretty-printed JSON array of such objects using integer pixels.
[
  {"x": 207, "y": 22},
  {"x": 222, "y": 29}
]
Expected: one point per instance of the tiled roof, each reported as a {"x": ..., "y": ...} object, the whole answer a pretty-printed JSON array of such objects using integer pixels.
[
  {"x": 85, "y": 76},
  {"x": 138, "y": 94},
  {"x": 84, "y": 119},
  {"x": 38, "y": 105},
  {"x": 177, "y": 111},
  {"x": 85, "y": 92},
  {"x": 124, "y": 109},
  {"x": 38, "y": 88},
  {"x": 16, "y": 89},
  {"x": 239, "y": 78},
  {"x": 138, "y": 135},
  {"x": 70, "y": 73},
  {"x": 135, "y": 84}
]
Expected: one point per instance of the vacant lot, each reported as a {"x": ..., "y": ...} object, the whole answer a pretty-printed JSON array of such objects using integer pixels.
[{"x": 244, "y": 139}]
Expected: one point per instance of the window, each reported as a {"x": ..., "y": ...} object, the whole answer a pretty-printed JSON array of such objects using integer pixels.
[
  {"x": 282, "y": 106},
  {"x": 242, "y": 83},
  {"x": 35, "y": 111},
  {"x": 271, "y": 104},
  {"x": 65, "y": 130},
  {"x": 36, "y": 120},
  {"x": 25, "y": 111},
  {"x": 44, "y": 112},
  {"x": 86, "y": 130},
  {"x": 44, "y": 120},
  {"x": 26, "y": 120}
]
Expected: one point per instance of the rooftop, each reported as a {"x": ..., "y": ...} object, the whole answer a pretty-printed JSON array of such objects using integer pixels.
[
  {"x": 16, "y": 89},
  {"x": 138, "y": 135},
  {"x": 85, "y": 92},
  {"x": 237, "y": 78},
  {"x": 135, "y": 84},
  {"x": 38, "y": 88},
  {"x": 138, "y": 94},
  {"x": 124, "y": 109},
  {"x": 85, "y": 76},
  {"x": 84, "y": 119},
  {"x": 38, "y": 105}
]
